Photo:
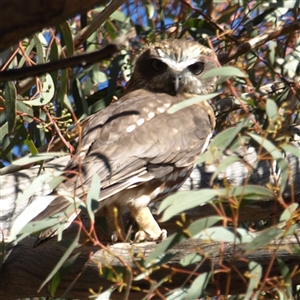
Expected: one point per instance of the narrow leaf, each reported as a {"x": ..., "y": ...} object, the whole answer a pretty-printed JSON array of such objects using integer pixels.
[
  {"x": 10, "y": 95},
  {"x": 270, "y": 147},
  {"x": 255, "y": 273},
  {"x": 67, "y": 253},
  {"x": 190, "y": 102},
  {"x": 185, "y": 200},
  {"x": 224, "y": 71},
  {"x": 223, "y": 234},
  {"x": 190, "y": 259},
  {"x": 38, "y": 157},
  {"x": 93, "y": 195},
  {"x": 160, "y": 250},
  {"x": 263, "y": 239}
]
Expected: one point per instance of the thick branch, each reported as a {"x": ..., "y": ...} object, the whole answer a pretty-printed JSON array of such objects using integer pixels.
[
  {"x": 22, "y": 18},
  {"x": 31, "y": 266}
]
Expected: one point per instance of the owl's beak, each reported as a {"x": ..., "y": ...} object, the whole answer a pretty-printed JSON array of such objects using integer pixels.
[{"x": 177, "y": 80}]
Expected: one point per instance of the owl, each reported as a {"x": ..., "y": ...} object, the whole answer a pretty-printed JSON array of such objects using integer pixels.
[{"x": 141, "y": 152}]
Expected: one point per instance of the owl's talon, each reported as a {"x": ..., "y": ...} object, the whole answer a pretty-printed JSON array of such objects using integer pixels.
[{"x": 144, "y": 236}]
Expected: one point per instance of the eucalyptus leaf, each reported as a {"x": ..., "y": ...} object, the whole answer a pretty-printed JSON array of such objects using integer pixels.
[
  {"x": 226, "y": 71},
  {"x": 255, "y": 270},
  {"x": 93, "y": 196},
  {"x": 264, "y": 239},
  {"x": 38, "y": 157},
  {"x": 190, "y": 259},
  {"x": 269, "y": 146},
  {"x": 190, "y": 102},
  {"x": 10, "y": 96},
  {"x": 63, "y": 259},
  {"x": 184, "y": 200},
  {"x": 229, "y": 235}
]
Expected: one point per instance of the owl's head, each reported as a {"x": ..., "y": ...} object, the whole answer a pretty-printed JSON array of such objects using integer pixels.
[{"x": 174, "y": 67}]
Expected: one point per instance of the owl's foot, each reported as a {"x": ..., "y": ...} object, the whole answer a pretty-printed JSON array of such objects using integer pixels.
[
  {"x": 141, "y": 235},
  {"x": 149, "y": 229}
]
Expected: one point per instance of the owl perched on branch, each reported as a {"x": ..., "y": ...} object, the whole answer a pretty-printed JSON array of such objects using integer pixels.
[{"x": 141, "y": 152}]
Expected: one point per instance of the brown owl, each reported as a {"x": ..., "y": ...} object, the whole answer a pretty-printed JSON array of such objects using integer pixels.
[{"x": 141, "y": 152}]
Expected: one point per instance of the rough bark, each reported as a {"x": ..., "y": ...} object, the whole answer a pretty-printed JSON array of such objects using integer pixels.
[
  {"x": 26, "y": 268},
  {"x": 20, "y": 19}
]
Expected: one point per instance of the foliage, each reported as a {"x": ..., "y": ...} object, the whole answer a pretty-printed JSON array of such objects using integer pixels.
[{"x": 40, "y": 120}]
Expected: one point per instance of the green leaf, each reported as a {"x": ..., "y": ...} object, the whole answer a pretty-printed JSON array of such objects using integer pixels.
[
  {"x": 185, "y": 200},
  {"x": 287, "y": 213},
  {"x": 190, "y": 102},
  {"x": 291, "y": 149},
  {"x": 198, "y": 226},
  {"x": 221, "y": 142},
  {"x": 264, "y": 238},
  {"x": 63, "y": 259},
  {"x": 36, "y": 185},
  {"x": 250, "y": 192},
  {"x": 39, "y": 49},
  {"x": 255, "y": 270},
  {"x": 61, "y": 273},
  {"x": 27, "y": 51},
  {"x": 10, "y": 96},
  {"x": 227, "y": 162},
  {"x": 93, "y": 196},
  {"x": 25, "y": 109},
  {"x": 284, "y": 173},
  {"x": 194, "y": 291},
  {"x": 285, "y": 272},
  {"x": 103, "y": 296},
  {"x": 197, "y": 288},
  {"x": 30, "y": 212},
  {"x": 66, "y": 32},
  {"x": 47, "y": 92},
  {"x": 270, "y": 147},
  {"x": 223, "y": 234},
  {"x": 38, "y": 157},
  {"x": 3, "y": 131},
  {"x": 271, "y": 109},
  {"x": 224, "y": 71},
  {"x": 190, "y": 259},
  {"x": 159, "y": 252}
]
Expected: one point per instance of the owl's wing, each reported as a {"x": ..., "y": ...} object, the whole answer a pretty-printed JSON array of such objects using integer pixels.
[{"x": 136, "y": 140}]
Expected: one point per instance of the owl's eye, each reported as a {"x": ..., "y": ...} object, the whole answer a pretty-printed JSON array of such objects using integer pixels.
[
  {"x": 196, "y": 68},
  {"x": 158, "y": 65}
]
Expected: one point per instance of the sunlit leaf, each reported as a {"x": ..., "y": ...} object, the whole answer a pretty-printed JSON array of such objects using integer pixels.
[
  {"x": 229, "y": 235},
  {"x": 255, "y": 273},
  {"x": 198, "y": 226},
  {"x": 227, "y": 162},
  {"x": 38, "y": 157},
  {"x": 39, "y": 49},
  {"x": 286, "y": 274},
  {"x": 269, "y": 146},
  {"x": 264, "y": 238},
  {"x": 159, "y": 252},
  {"x": 190, "y": 102},
  {"x": 287, "y": 213},
  {"x": 47, "y": 92},
  {"x": 291, "y": 149},
  {"x": 190, "y": 259},
  {"x": 224, "y": 71},
  {"x": 93, "y": 195},
  {"x": 184, "y": 200},
  {"x": 271, "y": 108}
]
